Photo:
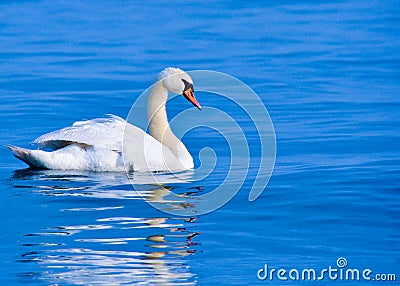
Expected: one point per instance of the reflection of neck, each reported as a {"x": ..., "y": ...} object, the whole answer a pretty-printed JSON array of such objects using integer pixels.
[{"x": 157, "y": 119}]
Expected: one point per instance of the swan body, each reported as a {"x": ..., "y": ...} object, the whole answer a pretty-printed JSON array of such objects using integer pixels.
[{"x": 105, "y": 144}]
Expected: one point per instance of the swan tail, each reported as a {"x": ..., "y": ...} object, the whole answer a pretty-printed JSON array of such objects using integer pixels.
[{"x": 26, "y": 156}]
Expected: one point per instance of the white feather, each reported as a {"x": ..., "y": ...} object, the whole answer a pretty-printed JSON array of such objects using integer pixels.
[{"x": 99, "y": 132}]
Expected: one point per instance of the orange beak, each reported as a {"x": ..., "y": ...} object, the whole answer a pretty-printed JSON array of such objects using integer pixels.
[{"x": 189, "y": 95}]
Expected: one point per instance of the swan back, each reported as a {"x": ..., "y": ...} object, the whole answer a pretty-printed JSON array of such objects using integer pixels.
[{"x": 100, "y": 132}]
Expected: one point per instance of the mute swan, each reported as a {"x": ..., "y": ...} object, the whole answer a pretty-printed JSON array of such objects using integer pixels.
[{"x": 97, "y": 144}]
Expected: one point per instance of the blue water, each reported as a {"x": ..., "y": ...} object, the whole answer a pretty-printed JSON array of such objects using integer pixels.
[{"x": 329, "y": 74}]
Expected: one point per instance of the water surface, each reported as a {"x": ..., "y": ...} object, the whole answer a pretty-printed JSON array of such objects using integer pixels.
[{"x": 328, "y": 72}]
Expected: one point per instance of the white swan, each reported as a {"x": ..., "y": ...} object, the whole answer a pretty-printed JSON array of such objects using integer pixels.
[{"x": 96, "y": 145}]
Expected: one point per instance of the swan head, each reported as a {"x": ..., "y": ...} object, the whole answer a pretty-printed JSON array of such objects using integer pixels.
[{"x": 179, "y": 82}]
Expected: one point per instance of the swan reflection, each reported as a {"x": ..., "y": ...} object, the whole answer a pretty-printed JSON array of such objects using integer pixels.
[{"x": 108, "y": 236}]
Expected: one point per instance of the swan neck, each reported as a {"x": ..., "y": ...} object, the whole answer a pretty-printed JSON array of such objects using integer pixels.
[{"x": 157, "y": 118}]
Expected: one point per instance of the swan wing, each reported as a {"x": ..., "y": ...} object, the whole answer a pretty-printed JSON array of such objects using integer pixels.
[
  {"x": 100, "y": 133},
  {"x": 142, "y": 152}
]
